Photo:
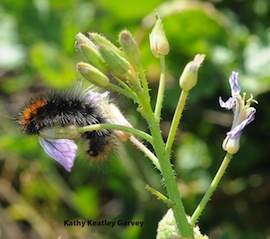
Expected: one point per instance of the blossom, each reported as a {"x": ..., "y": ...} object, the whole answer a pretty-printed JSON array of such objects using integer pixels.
[
  {"x": 62, "y": 150},
  {"x": 243, "y": 114}
]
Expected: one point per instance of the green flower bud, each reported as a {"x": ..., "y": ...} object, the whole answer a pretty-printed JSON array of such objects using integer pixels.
[
  {"x": 69, "y": 132},
  {"x": 93, "y": 75},
  {"x": 129, "y": 46},
  {"x": 114, "y": 58},
  {"x": 90, "y": 51},
  {"x": 100, "y": 40},
  {"x": 117, "y": 64},
  {"x": 158, "y": 41},
  {"x": 189, "y": 77}
]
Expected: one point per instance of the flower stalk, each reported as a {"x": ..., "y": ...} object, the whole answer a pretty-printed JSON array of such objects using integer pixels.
[
  {"x": 95, "y": 127},
  {"x": 166, "y": 168},
  {"x": 161, "y": 88},
  {"x": 212, "y": 188},
  {"x": 176, "y": 119}
]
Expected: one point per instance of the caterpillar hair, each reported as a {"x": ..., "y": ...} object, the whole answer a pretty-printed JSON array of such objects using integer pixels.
[{"x": 73, "y": 108}]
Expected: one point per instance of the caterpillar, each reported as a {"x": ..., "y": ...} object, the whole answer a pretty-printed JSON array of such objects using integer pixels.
[{"x": 62, "y": 109}]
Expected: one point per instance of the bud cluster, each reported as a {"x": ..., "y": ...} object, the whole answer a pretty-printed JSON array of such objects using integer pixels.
[{"x": 105, "y": 61}]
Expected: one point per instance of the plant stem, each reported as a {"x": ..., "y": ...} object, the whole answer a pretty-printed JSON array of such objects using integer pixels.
[
  {"x": 146, "y": 151},
  {"x": 211, "y": 189},
  {"x": 166, "y": 168},
  {"x": 159, "y": 195},
  {"x": 170, "y": 181},
  {"x": 128, "y": 94},
  {"x": 144, "y": 82},
  {"x": 130, "y": 130},
  {"x": 176, "y": 119},
  {"x": 161, "y": 88}
]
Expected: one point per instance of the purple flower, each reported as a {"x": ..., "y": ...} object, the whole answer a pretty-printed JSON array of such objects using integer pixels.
[
  {"x": 61, "y": 150},
  {"x": 243, "y": 114},
  {"x": 58, "y": 142}
]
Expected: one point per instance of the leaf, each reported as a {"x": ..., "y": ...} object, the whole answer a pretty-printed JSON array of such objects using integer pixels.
[{"x": 53, "y": 66}]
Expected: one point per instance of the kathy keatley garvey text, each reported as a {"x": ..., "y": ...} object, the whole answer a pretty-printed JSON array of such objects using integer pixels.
[{"x": 104, "y": 222}]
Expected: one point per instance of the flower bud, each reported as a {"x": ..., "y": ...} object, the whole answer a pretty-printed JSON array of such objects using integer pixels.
[
  {"x": 90, "y": 51},
  {"x": 117, "y": 64},
  {"x": 114, "y": 58},
  {"x": 69, "y": 132},
  {"x": 158, "y": 41},
  {"x": 188, "y": 79},
  {"x": 93, "y": 75},
  {"x": 129, "y": 46},
  {"x": 231, "y": 145},
  {"x": 100, "y": 40}
]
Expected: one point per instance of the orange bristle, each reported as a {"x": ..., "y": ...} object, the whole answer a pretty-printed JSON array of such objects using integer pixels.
[{"x": 31, "y": 110}]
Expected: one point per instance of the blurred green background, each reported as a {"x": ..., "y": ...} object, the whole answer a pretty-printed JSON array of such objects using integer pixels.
[{"x": 37, "y": 54}]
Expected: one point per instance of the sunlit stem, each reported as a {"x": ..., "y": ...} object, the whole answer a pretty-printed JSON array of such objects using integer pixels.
[
  {"x": 130, "y": 130},
  {"x": 159, "y": 196},
  {"x": 166, "y": 168},
  {"x": 144, "y": 82},
  {"x": 128, "y": 93},
  {"x": 124, "y": 86},
  {"x": 145, "y": 150},
  {"x": 176, "y": 120},
  {"x": 161, "y": 88},
  {"x": 211, "y": 189}
]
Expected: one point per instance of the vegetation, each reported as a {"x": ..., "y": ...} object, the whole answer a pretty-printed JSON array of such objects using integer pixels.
[{"x": 37, "y": 54}]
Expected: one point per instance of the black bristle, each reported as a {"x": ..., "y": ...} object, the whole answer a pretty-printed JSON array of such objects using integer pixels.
[{"x": 64, "y": 109}]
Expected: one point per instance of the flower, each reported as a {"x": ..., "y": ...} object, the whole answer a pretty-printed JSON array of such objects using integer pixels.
[
  {"x": 243, "y": 114},
  {"x": 62, "y": 150}
]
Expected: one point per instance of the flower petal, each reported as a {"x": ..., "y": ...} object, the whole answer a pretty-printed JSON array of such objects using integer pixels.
[
  {"x": 228, "y": 104},
  {"x": 236, "y": 131},
  {"x": 62, "y": 150},
  {"x": 235, "y": 87},
  {"x": 96, "y": 97}
]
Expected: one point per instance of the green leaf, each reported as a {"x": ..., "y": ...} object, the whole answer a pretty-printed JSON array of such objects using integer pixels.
[
  {"x": 53, "y": 66},
  {"x": 85, "y": 201}
]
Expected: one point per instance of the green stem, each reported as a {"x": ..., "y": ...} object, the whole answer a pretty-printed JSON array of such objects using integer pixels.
[
  {"x": 125, "y": 87},
  {"x": 128, "y": 94},
  {"x": 130, "y": 130},
  {"x": 161, "y": 88},
  {"x": 159, "y": 196},
  {"x": 143, "y": 81},
  {"x": 167, "y": 171},
  {"x": 176, "y": 119},
  {"x": 211, "y": 189},
  {"x": 145, "y": 150}
]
